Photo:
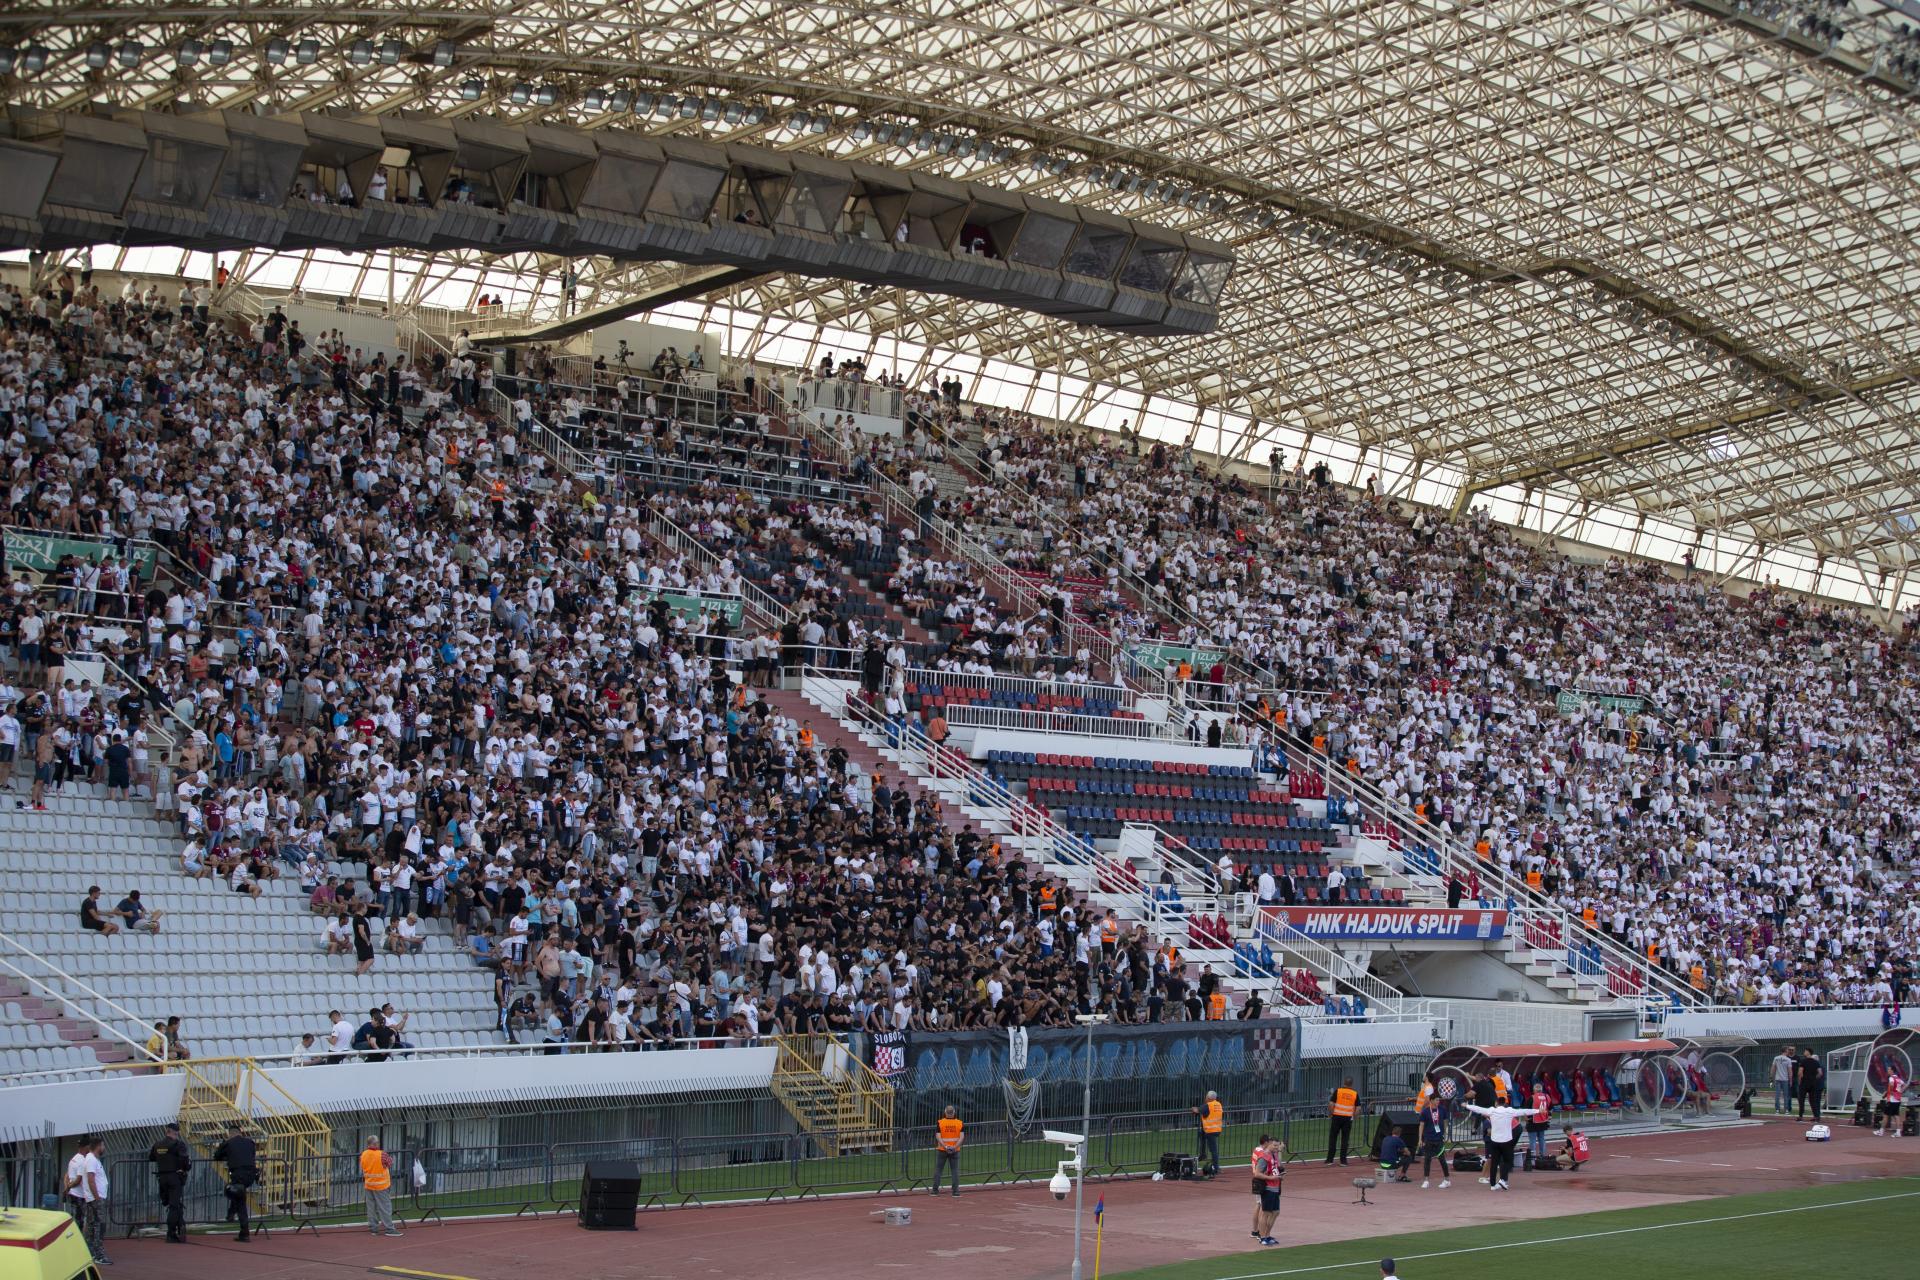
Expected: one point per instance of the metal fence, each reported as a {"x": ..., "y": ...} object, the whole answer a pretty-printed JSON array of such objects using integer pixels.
[{"x": 437, "y": 1183}]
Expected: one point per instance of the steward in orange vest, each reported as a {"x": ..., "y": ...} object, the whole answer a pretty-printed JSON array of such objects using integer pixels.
[{"x": 952, "y": 1135}]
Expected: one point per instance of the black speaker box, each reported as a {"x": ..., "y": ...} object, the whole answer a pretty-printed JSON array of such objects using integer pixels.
[
  {"x": 1408, "y": 1122},
  {"x": 609, "y": 1195}
]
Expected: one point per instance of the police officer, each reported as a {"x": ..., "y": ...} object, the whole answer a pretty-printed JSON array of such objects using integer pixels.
[
  {"x": 171, "y": 1160},
  {"x": 242, "y": 1159}
]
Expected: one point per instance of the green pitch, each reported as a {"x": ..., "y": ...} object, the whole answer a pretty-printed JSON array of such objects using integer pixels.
[{"x": 1856, "y": 1230}]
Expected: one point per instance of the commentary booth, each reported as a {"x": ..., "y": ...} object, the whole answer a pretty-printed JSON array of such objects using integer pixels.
[{"x": 1591, "y": 1081}]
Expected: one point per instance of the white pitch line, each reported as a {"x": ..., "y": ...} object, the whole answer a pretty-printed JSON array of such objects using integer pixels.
[{"x": 1588, "y": 1235}]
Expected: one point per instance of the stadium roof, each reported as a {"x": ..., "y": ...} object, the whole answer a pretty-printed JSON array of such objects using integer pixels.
[{"x": 1641, "y": 267}]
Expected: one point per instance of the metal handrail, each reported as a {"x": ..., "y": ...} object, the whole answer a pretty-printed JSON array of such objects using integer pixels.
[
  {"x": 1018, "y": 684},
  {"x": 1454, "y": 858},
  {"x": 1039, "y": 834},
  {"x": 1070, "y": 722},
  {"x": 1011, "y": 585},
  {"x": 772, "y": 614},
  {"x": 138, "y": 1047},
  {"x": 1344, "y": 970}
]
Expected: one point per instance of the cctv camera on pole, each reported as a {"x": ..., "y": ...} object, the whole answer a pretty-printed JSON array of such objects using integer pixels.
[{"x": 1065, "y": 1170}]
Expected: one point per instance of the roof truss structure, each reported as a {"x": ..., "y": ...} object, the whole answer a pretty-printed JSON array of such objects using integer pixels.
[{"x": 1650, "y": 257}]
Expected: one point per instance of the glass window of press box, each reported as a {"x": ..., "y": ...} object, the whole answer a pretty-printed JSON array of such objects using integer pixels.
[
  {"x": 1151, "y": 265},
  {"x": 179, "y": 173},
  {"x": 1096, "y": 254},
  {"x": 685, "y": 191},
  {"x": 1203, "y": 279},
  {"x": 814, "y": 202}
]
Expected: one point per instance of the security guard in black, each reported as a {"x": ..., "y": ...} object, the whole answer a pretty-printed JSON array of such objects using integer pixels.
[
  {"x": 171, "y": 1162},
  {"x": 242, "y": 1159}
]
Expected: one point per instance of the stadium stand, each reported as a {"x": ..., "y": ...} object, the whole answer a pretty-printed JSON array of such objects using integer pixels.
[{"x": 389, "y": 622}]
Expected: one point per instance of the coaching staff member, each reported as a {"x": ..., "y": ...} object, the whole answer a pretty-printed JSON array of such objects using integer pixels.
[
  {"x": 1811, "y": 1079},
  {"x": 1502, "y": 1138},
  {"x": 242, "y": 1159},
  {"x": 171, "y": 1161}
]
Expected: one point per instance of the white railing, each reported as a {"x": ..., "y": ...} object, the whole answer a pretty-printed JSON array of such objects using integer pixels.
[
  {"x": 428, "y": 1053},
  {"x": 975, "y": 717},
  {"x": 1020, "y": 684},
  {"x": 1627, "y": 973},
  {"x": 762, "y": 609},
  {"x": 1107, "y": 879},
  {"x": 843, "y": 395},
  {"x": 31, "y": 968},
  {"x": 1011, "y": 586},
  {"x": 1345, "y": 971},
  {"x": 548, "y": 441}
]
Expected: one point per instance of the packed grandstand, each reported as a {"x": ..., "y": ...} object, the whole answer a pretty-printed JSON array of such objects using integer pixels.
[{"x": 422, "y": 661}]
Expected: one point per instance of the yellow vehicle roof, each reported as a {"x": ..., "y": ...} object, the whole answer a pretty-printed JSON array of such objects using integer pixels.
[{"x": 41, "y": 1244}]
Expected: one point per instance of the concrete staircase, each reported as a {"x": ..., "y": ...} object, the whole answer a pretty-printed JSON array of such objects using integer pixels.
[
  {"x": 246, "y": 975},
  {"x": 1104, "y": 877},
  {"x": 38, "y": 1033},
  {"x": 870, "y": 755}
]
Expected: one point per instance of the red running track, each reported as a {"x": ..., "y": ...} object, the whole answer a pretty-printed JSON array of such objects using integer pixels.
[{"x": 1023, "y": 1233}]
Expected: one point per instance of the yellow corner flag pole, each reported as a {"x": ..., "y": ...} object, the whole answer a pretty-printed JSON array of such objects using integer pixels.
[{"x": 1099, "y": 1229}]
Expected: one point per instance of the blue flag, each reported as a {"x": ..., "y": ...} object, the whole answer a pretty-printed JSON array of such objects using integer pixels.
[{"x": 1099, "y": 1207}]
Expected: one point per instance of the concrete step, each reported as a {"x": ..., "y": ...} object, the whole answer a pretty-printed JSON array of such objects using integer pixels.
[{"x": 830, "y": 732}]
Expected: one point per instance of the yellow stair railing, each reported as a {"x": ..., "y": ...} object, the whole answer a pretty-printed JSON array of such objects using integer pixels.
[
  {"x": 292, "y": 1142},
  {"x": 832, "y": 1094}
]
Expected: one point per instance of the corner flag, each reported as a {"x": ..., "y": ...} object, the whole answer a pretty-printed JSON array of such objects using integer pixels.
[{"x": 1099, "y": 1207}]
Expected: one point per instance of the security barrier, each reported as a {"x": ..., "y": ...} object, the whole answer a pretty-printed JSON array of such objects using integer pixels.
[{"x": 444, "y": 1183}]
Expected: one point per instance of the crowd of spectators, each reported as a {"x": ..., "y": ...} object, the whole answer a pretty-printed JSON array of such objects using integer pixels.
[
  {"x": 413, "y": 666},
  {"x": 415, "y": 659},
  {"x": 1728, "y": 788}
]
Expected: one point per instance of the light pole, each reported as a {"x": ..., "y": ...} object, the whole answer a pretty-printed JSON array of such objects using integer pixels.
[{"x": 1086, "y": 1137}]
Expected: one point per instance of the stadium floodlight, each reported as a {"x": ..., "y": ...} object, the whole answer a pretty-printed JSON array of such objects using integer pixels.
[
  {"x": 756, "y": 115},
  {"x": 733, "y": 113},
  {"x": 861, "y": 131},
  {"x": 99, "y": 54},
  {"x": 391, "y": 51},
  {"x": 965, "y": 148},
  {"x": 277, "y": 50},
  {"x": 643, "y": 105},
  {"x": 307, "y": 52},
  {"x": 470, "y": 90},
  {"x": 520, "y": 93},
  {"x": 619, "y": 101},
  {"x": 8, "y": 56},
  {"x": 595, "y": 99},
  {"x": 546, "y": 95},
  {"x": 709, "y": 110},
  {"x": 360, "y": 52},
  {"x": 444, "y": 53},
  {"x": 822, "y": 123},
  {"x": 34, "y": 57},
  {"x": 220, "y": 53},
  {"x": 883, "y": 133},
  {"x": 689, "y": 108}
]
